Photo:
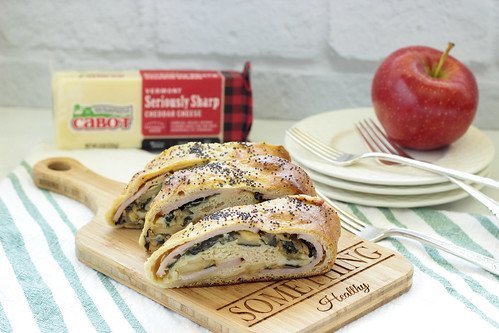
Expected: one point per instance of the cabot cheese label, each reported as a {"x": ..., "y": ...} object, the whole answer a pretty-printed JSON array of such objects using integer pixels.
[{"x": 150, "y": 109}]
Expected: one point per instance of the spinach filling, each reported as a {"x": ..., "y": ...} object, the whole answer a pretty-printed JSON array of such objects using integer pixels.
[
  {"x": 203, "y": 246},
  {"x": 288, "y": 244},
  {"x": 134, "y": 214},
  {"x": 186, "y": 210},
  {"x": 172, "y": 222},
  {"x": 178, "y": 219}
]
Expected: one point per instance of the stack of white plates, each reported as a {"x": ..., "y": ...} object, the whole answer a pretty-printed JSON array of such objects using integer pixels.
[{"x": 371, "y": 183}]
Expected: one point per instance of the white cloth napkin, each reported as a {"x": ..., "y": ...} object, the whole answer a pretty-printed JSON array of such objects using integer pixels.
[{"x": 43, "y": 286}]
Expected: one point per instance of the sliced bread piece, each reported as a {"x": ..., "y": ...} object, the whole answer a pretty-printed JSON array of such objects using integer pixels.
[{"x": 288, "y": 237}]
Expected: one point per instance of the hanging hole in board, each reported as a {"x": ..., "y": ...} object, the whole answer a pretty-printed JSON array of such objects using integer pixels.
[{"x": 59, "y": 166}]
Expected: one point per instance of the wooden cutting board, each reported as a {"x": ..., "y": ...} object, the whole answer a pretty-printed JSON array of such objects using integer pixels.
[{"x": 364, "y": 277}]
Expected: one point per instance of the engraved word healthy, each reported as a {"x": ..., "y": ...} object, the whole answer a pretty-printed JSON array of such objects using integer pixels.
[{"x": 326, "y": 302}]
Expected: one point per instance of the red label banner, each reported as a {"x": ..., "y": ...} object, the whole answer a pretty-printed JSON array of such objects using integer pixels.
[{"x": 182, "y": 103}]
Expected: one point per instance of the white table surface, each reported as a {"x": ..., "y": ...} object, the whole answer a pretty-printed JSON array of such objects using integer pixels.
[{"x": 22, "y": 129}]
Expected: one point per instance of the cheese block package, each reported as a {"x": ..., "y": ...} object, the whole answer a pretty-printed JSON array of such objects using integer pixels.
[
  {"x": 150, "y": 109},
  {"x": 191, "y": 194},
  {"x": 130, "y": 208},
  {"x": 288, "y": 237}
]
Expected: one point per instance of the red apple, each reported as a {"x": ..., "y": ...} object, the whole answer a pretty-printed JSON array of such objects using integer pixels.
[{"x": 423, "y": 98}]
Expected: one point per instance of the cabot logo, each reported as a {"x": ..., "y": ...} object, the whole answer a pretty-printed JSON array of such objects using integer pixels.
[{"x": 102, "y": 116}]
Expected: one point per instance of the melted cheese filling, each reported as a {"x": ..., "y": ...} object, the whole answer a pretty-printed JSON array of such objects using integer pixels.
[
  {"x": 166, "y": 225},
  {"x": 247, "y": 252}
]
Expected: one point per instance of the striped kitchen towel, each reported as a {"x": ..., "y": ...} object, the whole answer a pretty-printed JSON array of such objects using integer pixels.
[{"x": 43, "y": 286}]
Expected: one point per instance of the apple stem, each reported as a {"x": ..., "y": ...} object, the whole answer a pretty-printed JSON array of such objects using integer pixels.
[{"x": 444, "y": 55}]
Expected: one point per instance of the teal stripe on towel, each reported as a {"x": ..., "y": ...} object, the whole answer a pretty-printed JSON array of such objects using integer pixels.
[
  {"x": 47, "y": 314},
  {"x": 50, "y": 198},
  {"x": 435, "y": 256},
  {"x": 113, "y": 292},
  {"x": 445, "y": 227},
  {"x": 4, "y": 321},
  {"x": 120, "y": 302},
  {"x": 53, "y": 243},
  {"x": 428, "y": 271},
  {"x": 472, "y": 283},
  {"x": 487, "y": 224}
]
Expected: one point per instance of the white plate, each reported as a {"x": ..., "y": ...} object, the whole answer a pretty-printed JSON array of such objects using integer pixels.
[
  {"x": 393, "y": 201},
  {"x": 471, "y": 153},
  {"x": 383, "y": 189}
]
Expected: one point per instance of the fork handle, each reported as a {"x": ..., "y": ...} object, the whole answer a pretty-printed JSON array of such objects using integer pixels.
[
  {"x": 487, "y": 263},
  {"x": 435, "y": 168},
  {"x": 488, "y": 202}
]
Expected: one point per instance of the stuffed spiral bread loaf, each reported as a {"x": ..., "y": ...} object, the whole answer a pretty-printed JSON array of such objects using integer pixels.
[
  {"x": 130, "y": 208},
  {"x": 189, "y": 195},
  {"x": 288, "y": 237}
]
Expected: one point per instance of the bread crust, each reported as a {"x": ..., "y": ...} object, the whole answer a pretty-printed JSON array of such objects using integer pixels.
[{"x": 189, "y": 155}]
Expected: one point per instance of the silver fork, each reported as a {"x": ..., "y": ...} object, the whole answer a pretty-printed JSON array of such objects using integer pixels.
[
  {"x": 375, "y": 234},
  {"x": 337, "y": 157},
  {"x": 376, "y": 140}
]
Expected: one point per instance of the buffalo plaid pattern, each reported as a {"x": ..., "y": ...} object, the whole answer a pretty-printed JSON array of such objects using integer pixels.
[{"x": 238, "y": 105}]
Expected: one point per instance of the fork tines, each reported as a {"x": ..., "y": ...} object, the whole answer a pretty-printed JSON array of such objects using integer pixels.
[
  {"x": 305, "y": 138},
  {"x": 373, "y": 134},
  {"x": 348, "y": 221}
]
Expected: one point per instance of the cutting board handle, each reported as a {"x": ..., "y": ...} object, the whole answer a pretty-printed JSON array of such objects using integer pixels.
[{"x": 69, "y": 177}]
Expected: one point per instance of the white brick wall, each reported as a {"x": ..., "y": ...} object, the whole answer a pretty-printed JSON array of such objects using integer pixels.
[
  {"x": 308, "y": 56},
  {"x": 380, "y": 29}
]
